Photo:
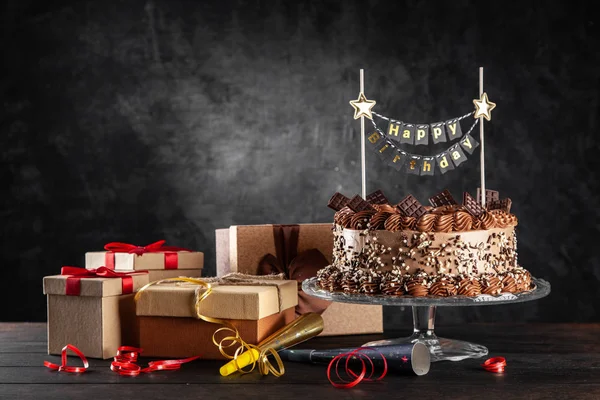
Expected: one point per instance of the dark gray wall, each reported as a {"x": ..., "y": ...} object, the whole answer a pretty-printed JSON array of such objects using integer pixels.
[{"x": 140, "y": 120}]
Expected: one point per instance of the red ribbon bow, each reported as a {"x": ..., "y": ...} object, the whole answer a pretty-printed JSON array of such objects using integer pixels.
[
  {"x": 118, "y": 247},
  {"x": 295, "y": 266},
  {"x": 75, "y": 274}
]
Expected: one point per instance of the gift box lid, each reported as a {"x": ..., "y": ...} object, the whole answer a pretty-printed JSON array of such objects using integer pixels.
[
  {"x": 147, "y": 261},
  {"x": 225, "y": 301},
  {"x": 94, "y": 287}
]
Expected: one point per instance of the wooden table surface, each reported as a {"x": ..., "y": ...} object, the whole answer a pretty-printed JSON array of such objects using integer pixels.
[{"x": 545, "y": 361}]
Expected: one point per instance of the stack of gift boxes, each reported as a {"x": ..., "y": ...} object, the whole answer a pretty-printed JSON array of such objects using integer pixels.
[{"x": 95, "y": 308}]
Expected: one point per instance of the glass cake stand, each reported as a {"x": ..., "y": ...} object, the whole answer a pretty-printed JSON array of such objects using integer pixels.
[{"x": 423, "y": 309}]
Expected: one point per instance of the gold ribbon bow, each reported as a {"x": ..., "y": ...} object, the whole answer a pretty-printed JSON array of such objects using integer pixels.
[{"x": 261, "y": 362}]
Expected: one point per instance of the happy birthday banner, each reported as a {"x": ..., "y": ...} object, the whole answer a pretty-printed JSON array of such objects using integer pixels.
[{"x": 386, "y": 145}]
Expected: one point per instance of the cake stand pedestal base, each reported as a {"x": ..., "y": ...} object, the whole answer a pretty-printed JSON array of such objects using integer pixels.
[{"x": 441, "y": 349}]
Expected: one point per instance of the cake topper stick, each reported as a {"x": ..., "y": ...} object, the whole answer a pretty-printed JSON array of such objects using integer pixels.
[
  {"x": 482, "y": 154},
  {"x": 363, "y": 168},
  {"x": 362, "y": 108}
]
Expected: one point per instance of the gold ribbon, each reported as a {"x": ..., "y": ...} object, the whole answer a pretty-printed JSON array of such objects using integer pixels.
[{"x": 261, "y": 362}]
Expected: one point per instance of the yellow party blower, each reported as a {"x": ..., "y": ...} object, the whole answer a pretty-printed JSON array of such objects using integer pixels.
[{"x": 301, "y": 329}]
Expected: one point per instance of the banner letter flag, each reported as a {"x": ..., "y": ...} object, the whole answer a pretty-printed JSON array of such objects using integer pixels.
[
  {"x": 394, "y": 130},
  {"x": 453, "y": 129},
  {"x": 374, "y": 139},
  {"x": 427, "y": 166},
  {"x": 438, "y": 132},
  {"x": 457, "y": 155},
  {"x": 422, "y": 135},
  {"x": 413, "y": 165},
  {"x": 384, "y": 150},
  {"x": 408, "y": 134},
  {"x": 469, "y": 144},
  {"x": 398, "y": 159},
  {"x": 444, "y": 163}
]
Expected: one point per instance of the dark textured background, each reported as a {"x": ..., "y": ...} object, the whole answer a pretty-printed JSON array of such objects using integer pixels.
[{"x": 141, "y": 120}]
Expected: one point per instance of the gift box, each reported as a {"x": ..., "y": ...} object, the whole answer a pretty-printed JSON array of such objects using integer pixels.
[
  {"x": 169, "y": 325},
  {"x": 92, "y": 310},
  {"x": 153, "y": 257},
  {"x": 297, "y": 251}
]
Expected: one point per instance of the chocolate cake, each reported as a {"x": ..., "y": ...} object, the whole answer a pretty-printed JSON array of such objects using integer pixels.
[{"x": 410, "y": 249}]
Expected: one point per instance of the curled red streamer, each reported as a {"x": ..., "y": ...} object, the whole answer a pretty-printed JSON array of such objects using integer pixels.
[
  {"x": 494, "y": 364},
  {"x": 125, "y": 362},
  {"x": 358, "y": 377},
  {"x": 63, "y": 367}
]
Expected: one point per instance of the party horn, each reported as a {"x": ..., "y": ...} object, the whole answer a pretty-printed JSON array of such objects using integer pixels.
[
  {"x": 301, "y": 329},
  {"x": 411, "y": 358}
]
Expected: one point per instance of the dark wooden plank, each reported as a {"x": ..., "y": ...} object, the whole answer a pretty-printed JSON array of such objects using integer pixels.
[{"x": 383, "y": 390}]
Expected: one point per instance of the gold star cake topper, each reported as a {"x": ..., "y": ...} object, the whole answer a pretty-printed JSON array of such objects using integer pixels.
[
  {"x": 484, "y": 107},
  {"x": 362, "y": 106}
]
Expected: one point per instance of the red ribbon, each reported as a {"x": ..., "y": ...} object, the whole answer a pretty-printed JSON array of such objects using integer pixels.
[
  {"x": 75, "y": 274},
  {"x": 125, "y": 362},
  {"x": 494, "y": 364},
  {"x": 358, "y": 377},
  {"x": 171, "y": 257},
  {"x": 63, "y": 367}
]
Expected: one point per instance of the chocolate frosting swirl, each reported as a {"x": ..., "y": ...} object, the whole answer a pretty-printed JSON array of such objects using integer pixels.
[
  {"x": 378, "y": 220},
  {"x": 462, "y": 221},
  {"x": 509, "y": 284},
  {"x": 444, "y": 222},
  {"x": 522, "y": 280},
  {"x": 343, "y": 217},
  {"x": 469, "y": 287},
  {"x": 416, "y": 287},
  {"x": 476, "y": 223},
  {"x": 426, "y": 222},
  {"x": 408, "y": 222},
  {"x": 442, "y": 288},
  {"x": 393, "y": 223},
  {"x": 500, "y": 217},
  {"x": 491, "y": 285},
  {"x": 361, "y": 219},
  {"x": 384, "y": 208},
  {"x": 487, "y": 220}
]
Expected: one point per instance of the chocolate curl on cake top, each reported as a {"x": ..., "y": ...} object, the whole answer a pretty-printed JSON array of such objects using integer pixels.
[
  {"x": 471, "y": 205},
  {"x": 411, "y": 207},
  {"x": 490, "y": 196},
  {"x": 338, "y": 201},
  {"x": 377, "y": 197},
  {"x": 442, "y": 199},
  {"x": 357, "y": 204}
]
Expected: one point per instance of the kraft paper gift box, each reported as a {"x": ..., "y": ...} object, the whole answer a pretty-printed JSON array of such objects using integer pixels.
[
  {"x": 169, "y": 327},
  {"x": 245, "y": 249},
  {"x": 161, "y": 262},
  {"x": 92, "y": 313}
]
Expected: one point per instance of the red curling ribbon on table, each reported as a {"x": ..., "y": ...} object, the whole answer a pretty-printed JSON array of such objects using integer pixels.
[
  {"x": 63, "y": 367},
  {"x": 494, "y": 364},
  {"x": 357, "y": 378},
  {"x": 75, "y": 274},
  {"x": 295, "y": 266},
  {"x": 124, "y": 363},
  {"x": 171, "y": 257}
]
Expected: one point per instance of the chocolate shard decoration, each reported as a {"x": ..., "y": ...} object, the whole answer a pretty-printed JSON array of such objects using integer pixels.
[
  {"x": 357, "y": 204},
  {"x": 490, "y": 196},
  {"x": 338, "y": 201},
  {"x": 377, "y": 197},
  {"x": 503, "y": 205},
  {"x": 471, "y": 205},
  {"x": 411, "y": 207},
  {"x": 442, "y": 199}
]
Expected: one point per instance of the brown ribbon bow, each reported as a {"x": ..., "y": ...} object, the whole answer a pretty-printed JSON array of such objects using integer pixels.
[{"x": 295, "y": 266}]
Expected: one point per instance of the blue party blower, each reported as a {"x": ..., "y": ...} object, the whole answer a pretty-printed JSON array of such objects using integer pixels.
[{"x": 410, "y": 358}]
